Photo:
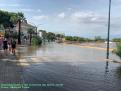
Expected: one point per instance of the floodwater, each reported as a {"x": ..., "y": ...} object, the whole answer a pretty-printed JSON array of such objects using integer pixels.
[{"x": 71, "y": 68}]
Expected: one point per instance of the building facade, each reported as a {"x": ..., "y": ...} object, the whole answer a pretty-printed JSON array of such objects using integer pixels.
[{"x": 24, "y": 28}]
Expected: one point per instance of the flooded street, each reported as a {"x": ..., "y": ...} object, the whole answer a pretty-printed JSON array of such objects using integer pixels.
[{"x": 72, "y": 67}]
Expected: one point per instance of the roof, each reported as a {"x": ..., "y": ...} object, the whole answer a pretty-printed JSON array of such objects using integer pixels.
[{"x": 23, "y": 24}]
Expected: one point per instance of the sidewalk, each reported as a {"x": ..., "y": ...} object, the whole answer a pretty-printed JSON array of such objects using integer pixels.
[{"x": 10, "y": 71}]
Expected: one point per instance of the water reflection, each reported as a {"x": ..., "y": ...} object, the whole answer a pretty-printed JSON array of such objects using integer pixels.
[
  {"x": 107, "y": 67},
  {"x": 79, "y": 69},
  {"x": 26, "y": 51},
  {"x": 118, "y": 72}
]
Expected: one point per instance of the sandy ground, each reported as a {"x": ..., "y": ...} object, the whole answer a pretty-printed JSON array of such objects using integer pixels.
[{"x": 91, "y": 45}]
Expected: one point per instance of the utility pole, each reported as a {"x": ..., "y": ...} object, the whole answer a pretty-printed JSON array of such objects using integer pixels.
[
  {"x": 108, "y": 37},
  {"x": 19, "y": 32}
]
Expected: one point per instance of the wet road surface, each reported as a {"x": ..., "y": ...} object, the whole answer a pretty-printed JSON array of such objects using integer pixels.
[{"x": 72, "y": 67}]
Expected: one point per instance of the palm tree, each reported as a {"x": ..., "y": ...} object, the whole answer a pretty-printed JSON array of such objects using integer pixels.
[
  {"x": 21, "y": 18},
  {"x": 30, "y": 31},
  {"x": 9, "y": 19}
]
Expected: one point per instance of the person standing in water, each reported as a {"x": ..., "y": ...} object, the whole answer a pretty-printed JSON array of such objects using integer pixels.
[
  {"x": 5, "y": 46},
  {"x": 13, "y": 45},
  {"x": 1, "y": 42}
]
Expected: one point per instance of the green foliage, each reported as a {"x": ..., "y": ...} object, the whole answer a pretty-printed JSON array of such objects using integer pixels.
[
  {"x": 77, "y": 39},
  {"x": 59, "y": 35},
  {"x": 117, "y": 40},
  {"x": 7, "y": 35},
  {"x": 20, "y": 16},
  {"x": 9, "y": 19},
  {"x": 36, "y": 40},
  {"x": 118, "y": 50},
  {"x": 99, "y": 39},
  {"x": 1, "y": 27},
  {"x": 51, "y": 36},
  {"x": 70, "y": 38},
  {"x": 89, "y": 40},
  {"x": 30, "y": 31},
  {"x": 14, "y": 35}
]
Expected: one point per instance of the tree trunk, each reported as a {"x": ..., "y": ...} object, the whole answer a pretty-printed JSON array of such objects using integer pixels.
[
  {"x": 30, "y": 38},
  {"x": 19, "y": 32}
]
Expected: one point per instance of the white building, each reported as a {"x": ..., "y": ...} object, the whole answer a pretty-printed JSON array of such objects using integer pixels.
[
  {"x": 40, "y": 34},
  {"x": 24, "y": 28}
]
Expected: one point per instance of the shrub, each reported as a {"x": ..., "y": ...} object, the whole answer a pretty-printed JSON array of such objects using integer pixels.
[
  {"x": 99, "y": 39},
  {"x": 117, "y": 40},
  {"x": 14, "y": 35},
  {"x": 36, "y": 40},
  {"x": 118, "y": 50},
  {"x": 68, "y": 38}
]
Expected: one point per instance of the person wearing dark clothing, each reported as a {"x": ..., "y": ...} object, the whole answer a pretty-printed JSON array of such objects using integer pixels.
[
  {"x": 13, "y": 45},
  {"x": 5, "y": 46}
]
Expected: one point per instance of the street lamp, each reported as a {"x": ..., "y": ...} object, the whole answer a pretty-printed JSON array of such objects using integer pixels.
[
  {"x": 108, "y": 37},
  {"x": 36, "y": 26}
]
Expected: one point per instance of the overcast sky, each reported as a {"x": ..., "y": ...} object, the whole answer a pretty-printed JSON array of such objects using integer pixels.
[{"x": 86, "y": 18}]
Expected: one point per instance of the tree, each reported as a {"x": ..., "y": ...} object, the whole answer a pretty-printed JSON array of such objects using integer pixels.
[
  {"x": 30, "y": 31},
  {"x": 5, "y": 20},
  {"x": 99, "y": 39},
  {"x": 20, "y": 19},
  {"x": 36, "y": 40},
  {"x": 59, "y": 36},
  {"x": 117, "y": 40},
  {"x": 51, "y": 36},
  {"x": 15, "y": 35},
  {"x": 10, "y": 19}
]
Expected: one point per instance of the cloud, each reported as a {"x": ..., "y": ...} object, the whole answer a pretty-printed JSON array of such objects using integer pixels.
[
  {"x": 30, "y": 10},
  {"x": 61, "y": 15},
  {"x": 18, "y": 10},
  {"x": 87, "y": 17},
  {"x": 82, "y": 23},
  {"x": 118, "y": 1},
  {"x": 25, "y": 9},
  {"x": 69, "y": 9},
  {"x": 22, "y": 10},
  {"x": 40, "y": 17},
  {"x": 39, "y": 10},
  {"x": 9, "y": 5},
  {"x": 94, "y": 19}
]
